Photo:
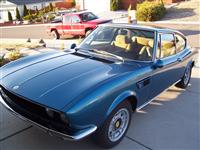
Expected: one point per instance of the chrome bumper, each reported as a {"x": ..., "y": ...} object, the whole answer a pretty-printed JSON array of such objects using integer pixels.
[{"x": 77, "y": 136}]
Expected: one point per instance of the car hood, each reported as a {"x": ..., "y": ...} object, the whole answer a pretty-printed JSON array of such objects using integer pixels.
[{"x": 55, "y": 79}]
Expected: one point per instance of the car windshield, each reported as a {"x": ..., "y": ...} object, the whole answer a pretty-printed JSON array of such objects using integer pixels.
[
  {"x": 87, "y": 16},
  {"x": 121, "y": 43}
]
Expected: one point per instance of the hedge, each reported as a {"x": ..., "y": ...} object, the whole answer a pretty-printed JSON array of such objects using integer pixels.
[
  {"x": 150, "y": 11},
  {"x": 114, "y": 5}
]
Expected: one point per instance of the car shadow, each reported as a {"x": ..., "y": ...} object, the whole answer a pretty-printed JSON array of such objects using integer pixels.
[{"x": 172, "y": 116}]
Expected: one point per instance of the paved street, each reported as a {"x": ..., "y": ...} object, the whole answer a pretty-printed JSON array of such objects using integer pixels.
[
  {"x": 171, "y": 121},
  {"x": 192, "y": 31}
]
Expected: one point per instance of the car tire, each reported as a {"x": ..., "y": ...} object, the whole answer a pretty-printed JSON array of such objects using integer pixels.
[
  {"x": 55, "y": 35},
  {"x": 118, "y": 121},
  {"x": 88, "y": 32},
  {"x": 185, "y": 80}
]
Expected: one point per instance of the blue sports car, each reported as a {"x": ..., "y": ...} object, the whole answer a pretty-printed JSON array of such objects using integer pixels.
[{"x": 93, "y": 89}]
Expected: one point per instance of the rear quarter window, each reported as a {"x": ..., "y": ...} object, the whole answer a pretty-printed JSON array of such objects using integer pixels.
[
  {"x": 180, "y": 43},
  {"x": 166, "y": 45}
]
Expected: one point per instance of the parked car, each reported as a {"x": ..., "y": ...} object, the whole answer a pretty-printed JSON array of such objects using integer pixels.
[
  {"x": 94, "y": 88},
  {"x": 78, "y": 23}
]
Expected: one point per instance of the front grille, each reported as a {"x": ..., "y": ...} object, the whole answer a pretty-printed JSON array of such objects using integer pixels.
[{"x": 34, "y": 112}]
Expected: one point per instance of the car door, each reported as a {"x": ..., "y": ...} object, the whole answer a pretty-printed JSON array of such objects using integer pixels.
[
  {"x": 76, "y": 25},
  {"x": 166, "y": 70},
  {"x": 67, "y": 25}
]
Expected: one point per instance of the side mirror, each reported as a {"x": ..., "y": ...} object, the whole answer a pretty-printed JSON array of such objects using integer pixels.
[
  {"x": 73, "y": 46},
  {"x": 158, "y": 64}
]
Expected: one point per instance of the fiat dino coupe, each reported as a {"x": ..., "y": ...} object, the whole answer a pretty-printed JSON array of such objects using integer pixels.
[{"x": 93, "y": 89}]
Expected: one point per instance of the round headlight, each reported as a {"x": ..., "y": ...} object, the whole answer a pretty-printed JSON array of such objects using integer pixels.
[
  {"x": 49, "y": 112},
  {"x": 63, "y": 118}
]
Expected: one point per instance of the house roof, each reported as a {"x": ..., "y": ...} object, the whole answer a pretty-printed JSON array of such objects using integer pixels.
[{"x": 22, "y": 2}]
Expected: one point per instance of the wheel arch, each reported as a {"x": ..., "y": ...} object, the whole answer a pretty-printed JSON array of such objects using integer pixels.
[
  {"x": 127, "y": 95},
  {"x": 53, "y": 29},
  {"x": 87, "y": 29}
]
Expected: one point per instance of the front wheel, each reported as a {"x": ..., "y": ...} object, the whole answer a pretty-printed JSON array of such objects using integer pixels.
[
  {"x": 115, "y": 127},
  {"x": 186, "y": 78}
]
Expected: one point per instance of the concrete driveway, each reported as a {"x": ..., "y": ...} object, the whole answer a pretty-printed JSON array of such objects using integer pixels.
[{"x": 171, "y": 121}]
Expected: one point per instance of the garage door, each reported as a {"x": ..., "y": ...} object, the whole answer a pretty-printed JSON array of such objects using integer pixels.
[{"x": 97, "y": 6}]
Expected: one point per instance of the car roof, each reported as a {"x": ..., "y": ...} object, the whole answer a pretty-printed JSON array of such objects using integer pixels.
[{"x": 143, "y": 27}]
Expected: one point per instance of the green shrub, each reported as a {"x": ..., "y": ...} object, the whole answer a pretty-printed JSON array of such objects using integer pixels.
[
  {"x": 14, "y": 55},
  {"x": 40, "y": 14},
  {"x": 73, "y": 3},
  {"x": 50, "y": 7},
  {"x": 28, "y": 17},
  {"x": 3, "y": 60},
  {"x": 25, "y": 11},
  {"x": 114, "y": 5},
  {"x": 150, "y": 11},
  {"x": 38, "y": 20},
  {"x": 18, "y": 17},
  {"x": 10, "y": 16},
  {"x": 36, "y": 11},
  {"x": 51, "y": 17}
]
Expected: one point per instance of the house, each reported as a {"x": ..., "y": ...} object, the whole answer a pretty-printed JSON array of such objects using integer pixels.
[
  {"x": 98, "y": 6},
  {"x": 11, "y": 5}
]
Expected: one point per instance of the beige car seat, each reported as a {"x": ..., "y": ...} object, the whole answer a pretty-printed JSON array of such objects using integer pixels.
[
  {"x": 168, "y": 49},
  {"x": 121, "y": 41},
  {"x": 147, "y": 45}
]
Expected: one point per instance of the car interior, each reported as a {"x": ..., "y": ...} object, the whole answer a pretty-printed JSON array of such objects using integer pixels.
[
  {"x": 133, "y": 44},
  {"x": 127, "y": 43}
]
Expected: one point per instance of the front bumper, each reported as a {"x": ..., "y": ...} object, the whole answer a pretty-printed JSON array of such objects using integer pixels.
[{"x": 78, "y": 135}]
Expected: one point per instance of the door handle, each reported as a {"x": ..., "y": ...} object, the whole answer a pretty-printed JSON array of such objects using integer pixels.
[{"x": 179, "y": 59}]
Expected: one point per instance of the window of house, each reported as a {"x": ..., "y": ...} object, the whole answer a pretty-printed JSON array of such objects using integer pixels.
[
  {"x": 167, "y": 45},
  {"x": 180, "y": 43}
]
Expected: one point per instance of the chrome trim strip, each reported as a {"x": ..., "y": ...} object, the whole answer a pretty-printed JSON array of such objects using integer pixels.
[{"x": 80, "y": 134}]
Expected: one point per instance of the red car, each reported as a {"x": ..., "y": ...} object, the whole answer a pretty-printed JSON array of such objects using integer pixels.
[{"x": 79, "y": 23}]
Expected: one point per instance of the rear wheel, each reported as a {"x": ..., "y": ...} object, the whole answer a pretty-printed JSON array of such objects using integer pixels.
[
  {"x": 115, "y": 127},
  {"x": 55, "y": 35},
  {"x": 186, "y": 78}
]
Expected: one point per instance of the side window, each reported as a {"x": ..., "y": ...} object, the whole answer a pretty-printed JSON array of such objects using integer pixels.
[
  {"x": 67, "y": 20},
  {"x": 75, "y": 19},
  {"x": 167, "y": 46},
  {"x": 180, "y": 43}
]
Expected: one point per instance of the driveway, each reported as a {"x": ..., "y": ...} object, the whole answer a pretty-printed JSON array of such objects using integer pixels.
[
  {"x": 184, "y": 11},
  {"x": 171, "y": 121}
]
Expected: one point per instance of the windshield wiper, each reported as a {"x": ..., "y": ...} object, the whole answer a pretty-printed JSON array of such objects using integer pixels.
[
  {"x": 106, "y": 53},
  {"x": 88, "y": 51}
]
